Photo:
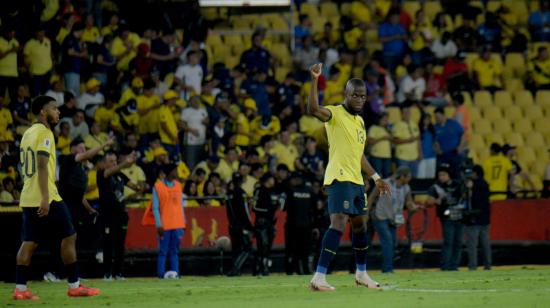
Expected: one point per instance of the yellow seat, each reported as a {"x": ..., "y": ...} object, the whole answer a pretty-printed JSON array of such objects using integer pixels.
[
  {"x": 538, "y": 168},
  {"x": 281, "y": 72},
  {"x": 232, "y": 61},
  {"x": 482, "y": 127},
  {"x": 450, "y": 111},
  {"x": 411, "y": 7},
  {"x": 494, "y": 138},
  {"x": 467, "y": 98},
  {"x": 329, "y": 9},
  {"x": 513, "y": 138},
  {"x": 474, "y": 114},
  {"x": 515, "y": 61},
  {"x": 534, "y": 139},
  {"x": 542, "y": 125},
  {"x": 513, "y": 113},
  {"x": 513, "y": 84},
  {"x": 542, "y": 154},
  {"x": 482, "y": 154},
  {"x": 431, "y": 8},
  {"x": 476, "y": 142},
  {"x": 345, "y": 9},
  {"x": 526, "y": 156},
  {"x": 233, "y": 39},
  {"x": 491, "y": 112},
  {"x": 520, "y": 10},
  {"x": 546, "y": 110},
  {"x": 309, "y": 9},
  {"x": 543, "y": 97},
  {"x": 503, "y": 99},
  {"x": 492, "y": 6},
  {"x": 214, "y": 39},
  {"x": 502, "y": 126},
  {"x": 523, "y": 126},
  {"x": 483, "y": 98},
  {"x": 533, "y": 112},
  {"x": 318, "y": 24},
  {"x": 280, "y": 51},
  {"x": 394, "y": 115},
  {"x": 547, "y": 137},
  {"x": 523, "y": 98}
]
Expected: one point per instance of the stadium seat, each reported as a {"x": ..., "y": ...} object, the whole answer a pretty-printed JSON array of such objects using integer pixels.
[
  {"x": 450, "y": 111},
  {"x": 394, "y": 115},
  {"x": 534, "y": 139},
  {"x": 523, "y": 98},
  {"x": 483, "y": 98},
  {"x": 476, "y": 142},
  {"x": 411, "y": 7},
  {"x": 520, "y": 10},
  {"x": 515, "y": 61},
  {"x": 345, "y": 9},
  {"x": 513, "y": 113},
  {"x": 503, "y": 99},
  {"x": 241, "y": 23},
  {"x": 281, "y": 72},
  {"x": 502, "y": 126},
  {"x": 513, "y": 84},
  {"x": 467, "y": 98},
  {"x": 318, "y": 24},
  {"x": 542, "y": 154},
  {"x": 543, "y": 97},
  {"x": 526, "y": 156},
  {"x": 482, "y": 154},
  {"x": 533, "y": 112},
  {"x": 491, "y": 112},
  {"x": 492, "y": 6},
  {"x": 513, "y": 138},
  {"x": 233, "y": 39},
  {"x": 493, "y": 138},
  {"x": 329, "y": 9},
  {"x": 232, "y": 61},
  {"x": 542, "y": 125},
  {"x": 547, "y": 137},
  {"x": 431, "y": 8},
  {"x": 309, "y": 9},
  {"x": 209, "y": 13},
  {"x": 523, "y": 126},
  {"x": 538, "y": 168},
  {"x": 482, "y": 127},
  {"x": 214, "y": 39},
  {"x": 474, "y": 114}
]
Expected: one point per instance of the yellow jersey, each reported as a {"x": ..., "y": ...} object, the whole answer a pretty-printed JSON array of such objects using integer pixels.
[
  {"x": 39, "y": 56},
  {"x": 149, "y": 122},
  {"x": 496, "y": 170},
  {"x": 487, "y": 72},
  {"x": 381, "y": 149},
  {"x": 167, "y": 116},
  {"x": 8, "y": 64},
  {"x": 243, "y": 139},
  {"x": 37, "y": 140},
  {"x": 403, "y": 130},
  {"x": 346, "y": 138},
  {"x": 93, "y": 193}
]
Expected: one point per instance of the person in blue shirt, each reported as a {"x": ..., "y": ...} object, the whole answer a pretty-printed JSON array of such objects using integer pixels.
[
  {"x": 449, "y": 136},
  {"x": 256, "y": 88},
  {"x": 490, "y": 31},
  {"x": 427, "y": 165},
  {"x": 539, "y": 23},
  {"x": 393, "y": 37},
  {"x": 256, "y": 58},
  {"x": 302, "y": 30},
  {"x": 73, "y": 58},
  {"x": 311, "y": 163}
]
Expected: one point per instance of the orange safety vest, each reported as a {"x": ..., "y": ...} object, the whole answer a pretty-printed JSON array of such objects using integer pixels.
[{"x": 171, "y": 213}]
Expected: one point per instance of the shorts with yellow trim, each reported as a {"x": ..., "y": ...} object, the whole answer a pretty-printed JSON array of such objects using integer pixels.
[
  {"x": 347, "y": 198},
  {"x": 58, "y": 224}
]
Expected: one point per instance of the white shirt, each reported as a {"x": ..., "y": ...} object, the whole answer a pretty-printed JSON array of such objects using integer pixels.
[
  {"x": 444, "y": 51},
  {"x": 408, "y": 85},
  {"x": 59, "y": 97},
  {"x": 89, "y": 102},
  {"x": 191, "y": 75},
  {"x": 194, "y": 119},
  {"x": 81, "y": 130}
]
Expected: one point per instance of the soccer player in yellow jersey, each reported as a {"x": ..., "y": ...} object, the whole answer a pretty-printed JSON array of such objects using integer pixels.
[
  {"x": 497, "y": 168},
  {"x": 43, "y": 208},
  {"x": 343, "y": 179}
]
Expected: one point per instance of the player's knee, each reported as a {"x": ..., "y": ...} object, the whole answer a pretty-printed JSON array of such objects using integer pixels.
[{"x": 25, "y": 252}]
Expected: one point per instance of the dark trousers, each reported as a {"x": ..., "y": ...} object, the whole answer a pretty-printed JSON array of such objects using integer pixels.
[
  {"x": 241, "y": 247},
  {"x": 40, "y": 84},
  {"x": 265, "y": 233},
  {"x": 452, "y": 244},
  {"x": 9, "y": 83},
  {"x": 474, "y": 235},
  {"x": 297, "y": 248},
  {"x": 114, "y": 236}
]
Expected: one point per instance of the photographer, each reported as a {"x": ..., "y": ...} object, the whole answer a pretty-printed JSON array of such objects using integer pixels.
[
  {"x": 446, "y": 194},
  {"x": 477, "y": 219}
]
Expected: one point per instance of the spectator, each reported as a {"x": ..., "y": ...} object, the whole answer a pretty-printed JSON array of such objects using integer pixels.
[
  {"x": 328, "y": 36},
  {"x": 8, "y": 193},
  {"x": 379, "y": 140},
  {"x": 63, "y": 144},
  {"x": 96, "y": 137},
  {"x": 243, "y": 123},
  {"x": 412, "y": 86},
  {"x": 194, "y": 120},
  {"x": 334, "y": 92},
  {"x": 9, "y": 47},
  {"x": 21, "y": 106},
  {"x": 490, "y": 32},
  {"x": 126, "y": 119},
  {"x": 388, "y": 213},
  {"x": 229, "y": 164},
  {"x": 164, "y": 53},
  {"x": 436, "y": 87},
  {"x": 74, "y": 53},
  {"x": 361, "y": 11},
  {"x": 38, "y": 60},
  {"x": 123, "y": 48},
  {"x": 426, "y": 166},
  {"x": 305, "y": 57},
  {"x": 446, "y": 194},
  {"x": 256, "y": 89},
  {"x": 266, "y": 203},
  {"x": 91, "y": 32},
  {"x": 154, "y": 167},
  {"x": 420, "y": 39},
  {"x": 68, "y": 109},
  {"x": 487, "y": 72},
  {"x": 190, "y": 75},
  {"x": 284, "y": 151},
  {"x": 92, "y": 98},
  {"x": 56, "y": 90},
  {"x": 142, "y": 65},
  {"x": 444, "y": 47},
  {"x": 103, "y": 67},
  {"x": 442, "y": 23},
  {"x": 112, "y": 27},
  {"x": 311, "y": 162},
  {"x": 148, "y": 106},
  {"x": 519, "y": 180},
  {"x": 393, "y": 37},
  {"x": 462, "y": 116},
  {"x": 257, "y": 58},
  {"x": 135, "y": 89},
  {"x": 168, "y": 126},
  {"x": 478, "y": 220},
  {"x": 450, "y": 140},
  {"x": 456, "y": 74},
  {"x": 302, "y": 30},
  {"x": 249, "y": 182},
  {"x": 538, "y": 22},
  {"x": 375, "y": 93},
  {"x": 136, "y": 175},
  {"x": 77, "y": 125},
  {"x": 406, "y": 137},
  {"x": 105, "y": 113},
  {"x": 539, "y": 70},
  {"x": 466, "y": 36},
  {"x": 497, "y": 169}
]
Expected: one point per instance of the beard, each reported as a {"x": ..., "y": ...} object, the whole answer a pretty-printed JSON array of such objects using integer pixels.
[{"x": 51, "y": 120}]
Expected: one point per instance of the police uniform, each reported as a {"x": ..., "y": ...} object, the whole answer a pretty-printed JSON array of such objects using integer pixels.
[
  {"x": 300, "y": 207},
  {"x": 266, "y": 203}
]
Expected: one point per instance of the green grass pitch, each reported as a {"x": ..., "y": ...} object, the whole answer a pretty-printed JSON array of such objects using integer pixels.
[{"x": 522, "y": 286}]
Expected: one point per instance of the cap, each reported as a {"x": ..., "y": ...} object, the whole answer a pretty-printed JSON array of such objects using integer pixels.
[
  {"x": 137, "y": 82},
  {"x": 159, "y": 151},
  {"x": 170, "y": 94},
  {"x": 444, "y": 168},
  {"x": 92, "y": 83},
  {"x": 250, "y": 104},
  {"x": 54, "y": 79}
]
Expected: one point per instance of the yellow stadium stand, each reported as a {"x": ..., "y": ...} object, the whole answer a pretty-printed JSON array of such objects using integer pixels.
[
  {"x": 345, "y": 9},
  {"x": 503, "y": 99},
  {"x": 483, "y": 98},
  {"x": 520, "y": 10},
  {"x": 282, "y": 53},
  {"x": 474, "y": 114},
  {"x": 523, "y": 126},
  {"x": 513, "y": 113},
  {"x": 450, "y": 111},
  {"x": 542, "y": 125},
  {"x": 281, "y": 72},
  {"x": 415, "y": 114},
  {"x": 534, "y": 139},
  {"x": 309, "y": 9},
  {"x": 431, "y": 8},
  {"x": 513, "y": 84},
  {"x": 482, "y": 154},
  {"x": 515, "y": 61},
  {"x": 547, "y": 137},
  {"x": 233, "y": 39},
  {"x": 526, "y": 156},
  {"x": 476, "y": 141},
  {"x": 491, "y": 112},
  {"x": 542, "y": 154},
  {"x": 482, "y": 127},
  {"x": 502, "y": 126},
  {"x": 493, "y": 138},
  {"x": 523, "y": 98},
  {"x": 329, "y": 9},
  {"x": 232, "y": 61},
  {"x": 411, "y": 7},
  {"x": 513, "y": 138},
  {"x": 533, "y": 112},
  {"x": 394, "y": 115},
  {"x": 538, "y": 168},
  {"x": 543, "y": 97},
  {"x": 467, "y": 98}
]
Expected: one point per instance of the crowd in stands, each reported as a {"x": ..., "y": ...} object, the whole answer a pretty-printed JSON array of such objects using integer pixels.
[{"x": 162, "y": 94}]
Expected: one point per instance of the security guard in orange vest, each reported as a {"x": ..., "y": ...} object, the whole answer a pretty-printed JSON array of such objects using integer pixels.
[{"x": 167, "y": 207}]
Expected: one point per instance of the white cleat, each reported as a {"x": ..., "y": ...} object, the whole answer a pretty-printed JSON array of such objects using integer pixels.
[
  {"x": 364, "y": 279},
  {"x": 320, "y": 285}
]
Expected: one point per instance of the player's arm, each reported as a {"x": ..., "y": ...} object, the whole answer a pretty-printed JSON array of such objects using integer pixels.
[
  {"x": 313, "y": 107},
  {"x": 93, "y": 152},
  {"x": 42, "y": 169},
  {"x": 382, "y": 186}
]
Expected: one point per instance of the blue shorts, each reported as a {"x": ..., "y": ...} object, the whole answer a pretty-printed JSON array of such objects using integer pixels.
[
  {"x": 347, "y": 198},
  {"x": 57, "y": 224}
]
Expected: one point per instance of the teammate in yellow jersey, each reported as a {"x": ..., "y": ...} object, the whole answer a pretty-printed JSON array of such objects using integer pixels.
[
  {"x": 343, "y": 179},
  {"x": 43, "y": 208},
  {"x": 497, "y": 168}
]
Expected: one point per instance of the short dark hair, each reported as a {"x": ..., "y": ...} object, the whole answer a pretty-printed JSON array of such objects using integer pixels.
[
  {"x": 67, "y": 96},
  {"x": 39, "y": 102},
  {"x": 439, "y": 110},
  {"x": 7, "y": 180},
  {"x": 477, "y": 169},
  {"x": 495, "y": 147}
]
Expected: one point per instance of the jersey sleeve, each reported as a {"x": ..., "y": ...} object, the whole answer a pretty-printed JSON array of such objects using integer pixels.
[
  {"x": 333, "y": 113},
  {"x": 44, "y": 143}
]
